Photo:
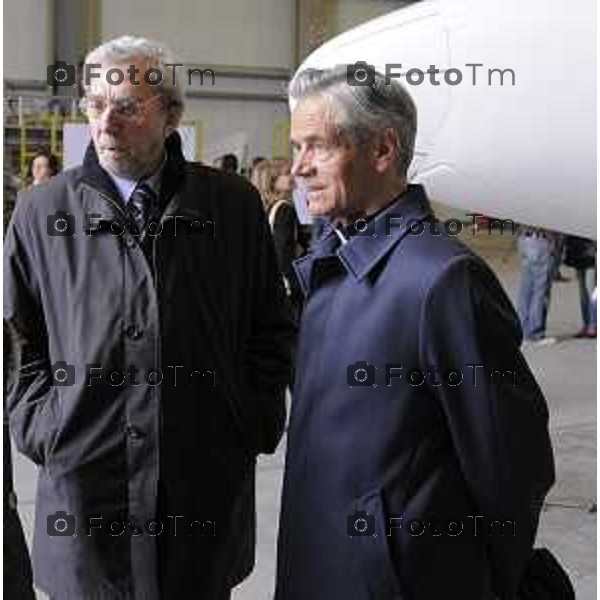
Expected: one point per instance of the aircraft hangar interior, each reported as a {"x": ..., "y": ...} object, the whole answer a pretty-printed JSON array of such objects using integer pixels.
[{"x": 412, "y": 183}]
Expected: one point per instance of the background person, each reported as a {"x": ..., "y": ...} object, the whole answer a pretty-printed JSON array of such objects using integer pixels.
[
  {"x": 42, "y": 166},
  {"x": 229, "y": 163},
  {"x": 253, "y": 164},
  {"x": 581, "y": 255},
  {"x": 535, "y": 250},
  {"x": 273, "y": 180},
  {"x": 558, "y": 251}
]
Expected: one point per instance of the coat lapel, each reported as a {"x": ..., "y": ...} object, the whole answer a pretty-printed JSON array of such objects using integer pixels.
[{"x": 361, "y": 253}]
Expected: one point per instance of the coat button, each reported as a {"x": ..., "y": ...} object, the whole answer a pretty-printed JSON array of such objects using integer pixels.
[
  {"x": 133, "y": 332},
  {"x": 133, "y": 432}
]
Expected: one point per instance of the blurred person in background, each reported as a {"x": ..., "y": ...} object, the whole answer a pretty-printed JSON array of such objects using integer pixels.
[
  {"x": 580, "y": 254},
  {"x": 42, "y": 166},
  {"x": 273, "y": 180},
  {"x": 229, "y": 163},
  {"x": 536, "y": 250},
  {"x": 255, "y": 162},
  {"x": 558, "y": 251}
]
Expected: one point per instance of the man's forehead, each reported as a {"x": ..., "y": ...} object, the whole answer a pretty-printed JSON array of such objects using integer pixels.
[
  {"x": 102, "y": 74},
  {"x": 313, "y": 117}
]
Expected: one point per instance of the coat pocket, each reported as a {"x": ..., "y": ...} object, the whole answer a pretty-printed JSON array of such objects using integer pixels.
[{"x": 369, "y": 526}]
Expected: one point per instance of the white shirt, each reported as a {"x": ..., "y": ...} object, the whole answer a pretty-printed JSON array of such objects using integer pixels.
[{"x": 126, "y": 185}]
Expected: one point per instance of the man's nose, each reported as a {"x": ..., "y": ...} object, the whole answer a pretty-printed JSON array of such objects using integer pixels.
[
  {"x": 107, "y": 119},
  {"x": 301, "y": 166}
]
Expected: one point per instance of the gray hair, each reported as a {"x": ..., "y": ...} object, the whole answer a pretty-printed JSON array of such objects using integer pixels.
[
  {"x": 363, "y": 110},
  {"x": 127, "y": 48}
]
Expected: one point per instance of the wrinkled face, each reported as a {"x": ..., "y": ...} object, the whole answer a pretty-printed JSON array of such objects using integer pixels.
[
  {"x": 40, "y": 169},
  {"x": 336, "y": 173},
  {"x": 129, "y": 123}
]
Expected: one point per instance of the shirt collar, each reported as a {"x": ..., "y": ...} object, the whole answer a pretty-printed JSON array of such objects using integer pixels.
[
  {"x": 360, "y": 253},
  {"x": 349, "y": 230},
  {"x": 126, "y": 185}
]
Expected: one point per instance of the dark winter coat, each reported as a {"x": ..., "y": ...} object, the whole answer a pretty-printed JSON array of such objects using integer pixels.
[
  {"x": 397, "y": 468},
  {"x": 201, "y": 295}
]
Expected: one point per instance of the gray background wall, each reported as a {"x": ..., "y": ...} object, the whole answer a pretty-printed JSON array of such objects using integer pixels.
[{"x": 253, "y": 46}]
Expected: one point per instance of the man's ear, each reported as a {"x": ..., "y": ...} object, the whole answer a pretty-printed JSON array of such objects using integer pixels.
[{"x": 385, "y": 150}]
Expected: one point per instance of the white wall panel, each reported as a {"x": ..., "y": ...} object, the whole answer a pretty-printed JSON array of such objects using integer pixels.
[
  {"x": 27, "y": 47},
  {"x": 225, "y": 119},
  {"x": 230, "y": 32}
]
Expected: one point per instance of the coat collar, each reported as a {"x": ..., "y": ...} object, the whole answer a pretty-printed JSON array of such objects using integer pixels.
[
  {"x": 362, "y": 252},
  {"x": 172, "y": 175}
]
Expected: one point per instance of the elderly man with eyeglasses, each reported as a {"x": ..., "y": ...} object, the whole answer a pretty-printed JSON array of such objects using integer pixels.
[{"x": 153, "y": 341}]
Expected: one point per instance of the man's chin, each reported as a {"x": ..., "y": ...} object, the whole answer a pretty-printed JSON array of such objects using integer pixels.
[
  {"x": 318, "y": 209},
  {"x": 117, "y": 167}
]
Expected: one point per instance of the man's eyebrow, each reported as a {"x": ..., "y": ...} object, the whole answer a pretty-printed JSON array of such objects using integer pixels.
[
  {"x": 314, "y": 137},
  {"x": 106, "y": 97}
]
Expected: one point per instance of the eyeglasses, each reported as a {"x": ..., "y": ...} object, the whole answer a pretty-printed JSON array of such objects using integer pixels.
[{"x": 127, "y": 107}]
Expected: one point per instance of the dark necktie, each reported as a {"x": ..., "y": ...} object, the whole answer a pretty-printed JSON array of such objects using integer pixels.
[{"x": 141, "y": 206}]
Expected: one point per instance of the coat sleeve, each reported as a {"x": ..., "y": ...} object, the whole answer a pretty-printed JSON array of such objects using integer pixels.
[
  {"x": 29, "y": 402},
  {"x": 497, "y": 416},
  {"x": 268, "y": 355}
]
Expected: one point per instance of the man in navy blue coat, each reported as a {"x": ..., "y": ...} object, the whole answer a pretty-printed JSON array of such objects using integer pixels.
[{"x": 418, "y": 451}]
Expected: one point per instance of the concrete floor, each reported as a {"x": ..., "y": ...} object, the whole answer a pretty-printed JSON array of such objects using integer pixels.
[{"x": 566, "y": 372}]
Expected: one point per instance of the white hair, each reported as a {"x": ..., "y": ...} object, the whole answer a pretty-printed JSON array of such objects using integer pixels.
[
  {"x": 157, "y": 55},
  {"x": 363, "y": 110}
]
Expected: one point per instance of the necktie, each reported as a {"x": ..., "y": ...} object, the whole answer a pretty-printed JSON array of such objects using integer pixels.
[{"x": 141, "y": 206}]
